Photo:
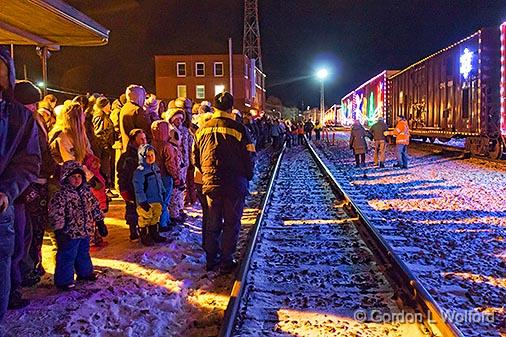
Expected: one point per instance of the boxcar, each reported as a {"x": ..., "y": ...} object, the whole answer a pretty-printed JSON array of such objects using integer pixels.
[
  {"x": 367, "y": 102},
  {"x": 455, "y": 93}
]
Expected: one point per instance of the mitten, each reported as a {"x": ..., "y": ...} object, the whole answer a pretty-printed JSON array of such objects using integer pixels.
[
  {"x": 102, "y": 228},
  {"x": 145, "y": 206}
]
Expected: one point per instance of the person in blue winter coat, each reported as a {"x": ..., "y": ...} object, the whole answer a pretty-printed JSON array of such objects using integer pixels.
[{"x": 149, "y": 194}]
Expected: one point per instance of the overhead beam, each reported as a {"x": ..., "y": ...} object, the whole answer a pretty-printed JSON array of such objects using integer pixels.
[{"x": 30, "y": 38}]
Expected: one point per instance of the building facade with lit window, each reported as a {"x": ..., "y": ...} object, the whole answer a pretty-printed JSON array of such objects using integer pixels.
[{"x": 201, "y": 77}]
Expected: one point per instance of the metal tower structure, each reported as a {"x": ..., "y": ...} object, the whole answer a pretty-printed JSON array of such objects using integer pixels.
[{"x": 251, "y": 37}]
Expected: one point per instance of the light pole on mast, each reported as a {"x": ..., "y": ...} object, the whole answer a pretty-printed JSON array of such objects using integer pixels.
[{"x": 322, "y": 75}]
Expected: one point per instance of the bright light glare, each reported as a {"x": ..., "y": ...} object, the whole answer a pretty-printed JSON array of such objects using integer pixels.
[
  {"x": 40, "y": 84},
  {"x": 322, "y": 74}
]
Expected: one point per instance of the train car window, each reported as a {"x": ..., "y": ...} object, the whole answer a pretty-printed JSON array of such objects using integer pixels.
[{"x": 465, "y": 103}]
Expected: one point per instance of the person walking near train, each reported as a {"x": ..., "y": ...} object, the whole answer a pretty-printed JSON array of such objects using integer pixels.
[
  {"x": 358, "y": 143},
  {"x": 401, "y": 133},
  {"x": 378, "y": 130}
]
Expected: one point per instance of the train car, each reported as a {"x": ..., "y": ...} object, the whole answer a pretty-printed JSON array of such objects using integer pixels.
[
  {"x": 503, "y": 82},
  {"x": 367, "y": 102},
  {"x": 455, "y": 93}
]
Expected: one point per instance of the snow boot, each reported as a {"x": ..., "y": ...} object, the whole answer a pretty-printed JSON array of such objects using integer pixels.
[
  {"x": 146, "y": 239},
  {"x": 155, "y": 235},
  {"x": 134, "y": 234},
  {"x": 92, "y": 277}
]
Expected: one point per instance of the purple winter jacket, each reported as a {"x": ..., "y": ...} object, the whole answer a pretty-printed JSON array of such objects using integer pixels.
[{"x": 19, "y": 144}]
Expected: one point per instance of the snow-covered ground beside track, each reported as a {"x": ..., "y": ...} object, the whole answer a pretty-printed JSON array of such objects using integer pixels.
[
  {"x": 157, "y": 291},
  {"x": 446, "y": 218}
]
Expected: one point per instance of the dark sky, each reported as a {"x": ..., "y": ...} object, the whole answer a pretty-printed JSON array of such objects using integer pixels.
[{"x": 355, "y": 39}]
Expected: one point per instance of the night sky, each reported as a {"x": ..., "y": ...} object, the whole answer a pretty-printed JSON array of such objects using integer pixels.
[{"x": 355, "y": 39}]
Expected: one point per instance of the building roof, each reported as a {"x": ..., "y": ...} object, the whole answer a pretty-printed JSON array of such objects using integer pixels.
[{"x": 50, "y": 23}]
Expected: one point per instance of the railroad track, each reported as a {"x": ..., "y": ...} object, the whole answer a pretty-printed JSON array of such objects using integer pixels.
[{"x": 314, "y": 266}]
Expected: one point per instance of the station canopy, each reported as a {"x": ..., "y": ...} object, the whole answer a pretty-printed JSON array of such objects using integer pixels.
[{"x": 48, "y": 23}]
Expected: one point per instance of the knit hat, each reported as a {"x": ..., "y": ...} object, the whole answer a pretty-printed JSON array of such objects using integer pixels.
[
  {"x": 224, "y": 101},
  {"x": 25, "y": 92},
  {"x": 174, "y": 111},
  {"x": 101, "y": 102},
  {"x": 133, "y": 133},
  {"x": 177, "y": 103}
]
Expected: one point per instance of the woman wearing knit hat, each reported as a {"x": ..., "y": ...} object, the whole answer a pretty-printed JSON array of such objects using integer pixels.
[{"x": 103, "y": 128}]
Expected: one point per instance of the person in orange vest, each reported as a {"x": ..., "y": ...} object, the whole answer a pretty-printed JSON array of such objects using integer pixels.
[{"x": 401, "y": 133}]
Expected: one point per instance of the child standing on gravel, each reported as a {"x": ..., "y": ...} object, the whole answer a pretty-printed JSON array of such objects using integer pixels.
[
  {"x": 149, "y": 194},
  {"x": 73, "y": 212}
]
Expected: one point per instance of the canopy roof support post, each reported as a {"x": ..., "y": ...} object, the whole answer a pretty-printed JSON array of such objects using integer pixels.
[{"x": 43, "y": 53}]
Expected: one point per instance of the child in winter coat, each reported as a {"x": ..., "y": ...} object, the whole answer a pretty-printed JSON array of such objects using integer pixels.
[
  {"x": 167, "y": 161},
  {"x": 97, "y": 186},
  {"x": 73, "y": 212},
  {"x": 149, "y": 194}
]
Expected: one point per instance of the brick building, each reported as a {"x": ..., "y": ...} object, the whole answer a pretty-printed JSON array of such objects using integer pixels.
[{"x": 201, "y": 77}]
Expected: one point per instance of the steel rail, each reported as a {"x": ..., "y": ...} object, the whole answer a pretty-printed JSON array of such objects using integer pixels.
[
  {"x": 397, "y": 269},
  {"x": 237, "y": 292}
]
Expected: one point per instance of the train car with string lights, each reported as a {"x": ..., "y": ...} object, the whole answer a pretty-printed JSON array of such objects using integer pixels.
[
  {"x": 457, "y": 92},
  {"x": 367, "y": 102}
]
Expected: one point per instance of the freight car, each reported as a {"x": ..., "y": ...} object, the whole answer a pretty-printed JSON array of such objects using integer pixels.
[
  {"x": 457, "y": 92},
  {"x": 367, "y": 102}
]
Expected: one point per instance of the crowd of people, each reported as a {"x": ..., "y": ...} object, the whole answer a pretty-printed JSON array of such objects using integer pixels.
[{"x": 60, "y": 163}]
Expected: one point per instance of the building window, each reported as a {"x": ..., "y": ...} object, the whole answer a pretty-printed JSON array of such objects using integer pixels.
[
  {"x": 200, "y": 92},
  {"x": 181, "y": 91},
  {"x": 181, "y": 69},
  {"x": 200, "y": 69},
  {"x": 218, "y": 69},
  {"x": 218, "y": 89}
]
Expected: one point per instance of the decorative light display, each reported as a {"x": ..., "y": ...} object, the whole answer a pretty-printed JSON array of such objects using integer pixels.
[
  {"x": 466, "y": 63},
  {"x": 503, "y": 78},
  {"x": 366, "y": 103}
]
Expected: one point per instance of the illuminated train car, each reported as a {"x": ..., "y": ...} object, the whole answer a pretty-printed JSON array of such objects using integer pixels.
[
  {"x": 456, "y": 93},
  {"x": 368, "y": 101}
]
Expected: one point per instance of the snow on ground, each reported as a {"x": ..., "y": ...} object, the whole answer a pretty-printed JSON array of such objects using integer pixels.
[
  {"x": 446, "y": 218},
  {"x": 156, "y": 291}
]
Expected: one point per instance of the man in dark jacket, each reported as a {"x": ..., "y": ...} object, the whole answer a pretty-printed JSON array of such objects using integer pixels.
[
  {"x": 378, "y": 130},
  {"x": 308, "y": 128},
  {"x": 127, "y": 164},
  {"x": 224, "y": 154},
  {"x": 19, "y": 165},
  {"x": 132, "y": 114}
]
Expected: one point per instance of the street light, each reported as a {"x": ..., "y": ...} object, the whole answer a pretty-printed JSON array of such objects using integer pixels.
[{"x": 322, "y": 75}]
